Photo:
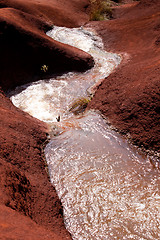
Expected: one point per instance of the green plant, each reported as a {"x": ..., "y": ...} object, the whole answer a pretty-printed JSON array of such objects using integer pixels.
[
  {"x": 44, "y": 68},
  {"x": 100, "y": 10},
  {"x": 79, "y": 105}
]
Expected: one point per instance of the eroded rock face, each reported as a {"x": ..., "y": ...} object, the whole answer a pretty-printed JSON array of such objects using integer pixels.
[
  {"x": 25, "y": 48},
  {"x": 130, "y": 97},
  {"x": 29, "y": 206},
  {"x": 24, "y": 184},
  {"x": 14, "y": 225},
  {"x": 58, "y": 12}
]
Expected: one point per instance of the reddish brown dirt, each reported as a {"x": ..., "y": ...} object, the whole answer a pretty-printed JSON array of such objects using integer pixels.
[
  {"x": 29, "y": 206},
  {"x": 58, "y": 12},
  {"x": 130, "y": 97},
  {"x": 24, "y": 183},
  {"x": 25, "y": 48},
  {"x": 14, "y": 226}
]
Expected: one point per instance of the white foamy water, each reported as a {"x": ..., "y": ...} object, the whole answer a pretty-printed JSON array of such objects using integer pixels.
[
  {"x": 108, "y": 191},
  {"x": 88, "y": 41},
  {"x": 46, "y": 99}
]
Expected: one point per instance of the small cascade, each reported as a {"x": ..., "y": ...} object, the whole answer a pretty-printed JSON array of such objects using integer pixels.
[{"x": 107, "y": 189}]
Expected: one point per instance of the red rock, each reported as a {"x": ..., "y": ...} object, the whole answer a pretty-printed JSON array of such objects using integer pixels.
[
  {"x": 15, "y": 226},
  {"x": 24, "y": 184},
  {"x": 58, "y": 12},
  {"x": 130, "y": 97},
  {"x": 29, "y": 205},
  {"x": 25, "y": 48}
]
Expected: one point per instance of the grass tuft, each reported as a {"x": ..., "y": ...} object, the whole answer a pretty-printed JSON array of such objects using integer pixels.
[
  {"x": 79, "y": 105},
  {"x": 100, "y": 10}
]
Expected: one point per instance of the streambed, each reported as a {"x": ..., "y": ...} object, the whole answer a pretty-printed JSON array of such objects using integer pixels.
[{"x": 107, "y": 189}]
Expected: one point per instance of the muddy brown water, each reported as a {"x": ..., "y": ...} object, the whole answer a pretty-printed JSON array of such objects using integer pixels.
[{"x": 107, "y": 189}]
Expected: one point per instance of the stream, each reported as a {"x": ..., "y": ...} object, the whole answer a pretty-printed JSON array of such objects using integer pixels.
[{"x": 108, "y": 191}]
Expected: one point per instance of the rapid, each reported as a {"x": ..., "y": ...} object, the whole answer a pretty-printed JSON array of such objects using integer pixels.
[{"x": 107, "y": 189}]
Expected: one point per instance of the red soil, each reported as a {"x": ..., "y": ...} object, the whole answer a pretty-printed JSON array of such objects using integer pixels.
[
  {"x": 25, "y": 48},
  {"x": 29, "y": 205},
  {"x": 130, "y": 97},
  {"x": 24, "y": 183}
]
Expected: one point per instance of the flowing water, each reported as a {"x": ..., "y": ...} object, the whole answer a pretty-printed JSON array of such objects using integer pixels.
[{"x": 107, "y": 189}]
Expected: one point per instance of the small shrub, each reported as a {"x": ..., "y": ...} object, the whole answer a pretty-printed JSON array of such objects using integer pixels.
[
  {"x": 79, "y": 105},
  {"x": 44, "y": 68},
  {"x": 100, "y": 10}
]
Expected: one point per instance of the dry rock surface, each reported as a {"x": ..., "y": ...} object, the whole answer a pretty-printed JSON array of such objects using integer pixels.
[
  {"x": 25, "y": 48},
  {"x": 29, "y": 206},
  {"x": 130, "y": 96}
]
